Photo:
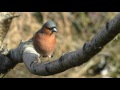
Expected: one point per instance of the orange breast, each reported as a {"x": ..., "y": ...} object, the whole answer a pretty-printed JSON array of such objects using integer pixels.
[{"x": 44, "y": 44}]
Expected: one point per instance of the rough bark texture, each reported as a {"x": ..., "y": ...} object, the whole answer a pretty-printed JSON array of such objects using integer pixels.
[{"x": 26, "y": 53}]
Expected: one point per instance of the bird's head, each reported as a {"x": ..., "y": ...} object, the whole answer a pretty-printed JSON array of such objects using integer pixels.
[{"x": 49, "y": 27}]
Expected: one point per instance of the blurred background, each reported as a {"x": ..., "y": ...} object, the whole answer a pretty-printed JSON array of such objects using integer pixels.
[{"x": 74, "y": 29}]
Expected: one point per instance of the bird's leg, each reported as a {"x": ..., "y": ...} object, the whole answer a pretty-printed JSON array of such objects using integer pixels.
[{"x": 49, "y": 56}]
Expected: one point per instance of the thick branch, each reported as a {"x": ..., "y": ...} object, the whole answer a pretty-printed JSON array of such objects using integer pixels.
[
  {"x": 5, "y": 21},
  {"x": 26, "y": 53}
]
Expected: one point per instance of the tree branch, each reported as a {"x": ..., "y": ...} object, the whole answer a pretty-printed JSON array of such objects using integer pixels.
[
  {"x": 5, "y": 21},
  {"x": 26, "y": 53}
]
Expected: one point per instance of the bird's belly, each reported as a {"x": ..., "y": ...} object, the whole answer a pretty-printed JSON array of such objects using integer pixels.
[{"x": 45, "y": 47}]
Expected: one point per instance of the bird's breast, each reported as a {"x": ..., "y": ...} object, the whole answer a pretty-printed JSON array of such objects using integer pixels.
[{"x": 44, "y": 44}]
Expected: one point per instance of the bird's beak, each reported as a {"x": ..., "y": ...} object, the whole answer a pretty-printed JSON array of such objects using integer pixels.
[{"x": 54, "y": 30}]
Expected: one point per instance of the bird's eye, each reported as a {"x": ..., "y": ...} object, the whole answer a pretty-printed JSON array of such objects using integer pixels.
[
  {"x": 48, "y": 28},
  {"x": 52, "y": 28}
]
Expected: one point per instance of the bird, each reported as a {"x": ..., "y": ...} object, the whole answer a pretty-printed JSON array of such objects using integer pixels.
[{"x": 44, "y": 40}]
